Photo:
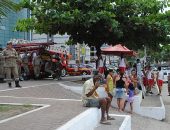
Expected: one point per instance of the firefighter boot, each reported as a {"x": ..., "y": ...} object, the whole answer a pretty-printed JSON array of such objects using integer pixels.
[
  {"x": 9, "y": 85},
  {"x": 17, "y": 84}
]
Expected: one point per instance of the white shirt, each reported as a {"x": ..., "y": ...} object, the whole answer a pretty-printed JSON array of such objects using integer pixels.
[
  {"x": 149, "y": 75},
  {"x": 101, "y": 63},
  {"x": 122, "y": 63},
  {"x": 87, "y": 87},
  {"x": 160, "y": 75},
  {"x": 139, "y": 72}
]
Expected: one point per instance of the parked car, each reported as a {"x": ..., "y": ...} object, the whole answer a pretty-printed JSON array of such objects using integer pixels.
[
  {"x": 91, "y": 66},
  {"x": 74, "y": 69}
]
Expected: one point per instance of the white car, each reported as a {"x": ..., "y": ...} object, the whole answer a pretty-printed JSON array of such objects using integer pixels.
[{"x": 166, "y": 71}]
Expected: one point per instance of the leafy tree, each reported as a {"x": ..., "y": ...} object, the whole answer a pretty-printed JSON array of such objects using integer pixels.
[
  {"x": 133, "y": 22},
  {"x": 142, "y": 22}
]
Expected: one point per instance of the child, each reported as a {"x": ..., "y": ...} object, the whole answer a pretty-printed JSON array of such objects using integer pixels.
[{"x": 130, "y": 99}]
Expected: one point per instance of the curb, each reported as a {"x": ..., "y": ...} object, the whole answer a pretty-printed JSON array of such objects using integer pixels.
[{"x": 89, "y": 119}]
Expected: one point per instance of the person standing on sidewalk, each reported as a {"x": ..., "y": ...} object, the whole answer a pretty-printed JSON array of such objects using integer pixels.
[
  {"x": 159, "y": 79},
  {"x": 110, "y": 84},
  {"x": 120, "y": 82},
  {"x": 11, "y": 57},
  {"x": 150, "y": 79},
  {"x": 122, "y": 64},
  {"x": 90, "y": 98}
]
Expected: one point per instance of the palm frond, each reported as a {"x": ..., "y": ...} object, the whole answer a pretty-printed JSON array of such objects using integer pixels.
[{"x": 6, "y": 6}]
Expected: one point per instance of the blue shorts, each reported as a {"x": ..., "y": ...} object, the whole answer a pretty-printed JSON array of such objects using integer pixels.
[
  {"x": 92, "y": 103},
  {"x": 120, "y": 92}
]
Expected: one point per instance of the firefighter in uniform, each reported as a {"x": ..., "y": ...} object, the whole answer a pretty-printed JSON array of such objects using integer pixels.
[
  {"x": 11, "y": 57},
  {"x": 37, "y": 66},
  {"x": 2, "y": 62},
  {"x": 25, "y": 61}
]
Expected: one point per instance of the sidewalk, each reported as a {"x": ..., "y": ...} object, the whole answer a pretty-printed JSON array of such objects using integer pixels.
[{"x": 62, "y": 107}]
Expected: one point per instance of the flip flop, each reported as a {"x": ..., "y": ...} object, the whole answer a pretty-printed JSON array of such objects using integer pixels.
[
  {"x": 105, "y": 122},
  {"x": 110, "y": 118}
]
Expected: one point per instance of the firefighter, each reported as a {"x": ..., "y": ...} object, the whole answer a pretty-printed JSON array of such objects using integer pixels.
[
  {"x": 2, "y": 62},
  {"x": 37, "y": 62},
  {"x": 11, "y": 57},
  {"x": 25, "y": 61}
]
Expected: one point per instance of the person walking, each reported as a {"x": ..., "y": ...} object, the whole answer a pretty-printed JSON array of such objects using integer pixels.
[
  {"x": 11, "y": 57},
  {"x": 90, "y": 98}
]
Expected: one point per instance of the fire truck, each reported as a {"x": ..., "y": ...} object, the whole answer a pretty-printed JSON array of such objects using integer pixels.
[{"x": 43, "y": 50}]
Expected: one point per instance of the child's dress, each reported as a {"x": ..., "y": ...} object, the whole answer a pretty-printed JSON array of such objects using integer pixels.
[
  {"x": 131, "y": 96},
  {"x": 131, "y": 91}
]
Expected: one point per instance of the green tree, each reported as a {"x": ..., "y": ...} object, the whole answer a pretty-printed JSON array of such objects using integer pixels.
[
  {"x": 142, "y": 22},
  {"x": 133, "y": 22}
]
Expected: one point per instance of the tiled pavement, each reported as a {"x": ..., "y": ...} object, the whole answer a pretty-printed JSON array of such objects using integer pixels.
[{"x": 64, "y": 106}]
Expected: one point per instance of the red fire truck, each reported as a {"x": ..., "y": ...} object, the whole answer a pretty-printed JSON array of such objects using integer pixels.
[{"x": 45, "y": 54}]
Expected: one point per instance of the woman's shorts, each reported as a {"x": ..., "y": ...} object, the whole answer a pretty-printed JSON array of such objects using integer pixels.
[
  {"x": 120, "y": 92},
  {"x": 145, "y": 81},
  {"x": 159, "y": 82},
  {"x": 150, "y": 82}
]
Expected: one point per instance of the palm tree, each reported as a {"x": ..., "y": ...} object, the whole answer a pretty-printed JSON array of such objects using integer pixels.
[{"x": 6, "y": 6}]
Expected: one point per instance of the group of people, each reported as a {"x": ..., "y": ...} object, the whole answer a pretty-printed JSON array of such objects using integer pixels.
[
  {"x": 122, "y": 84},
  {"x": 14, "y": 65}
]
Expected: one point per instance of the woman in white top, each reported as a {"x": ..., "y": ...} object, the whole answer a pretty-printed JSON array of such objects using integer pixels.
[
  {"x": 159, "y": 79},
  {"x": 122, "y": 64},
  {"x": 150, "y": 79}
]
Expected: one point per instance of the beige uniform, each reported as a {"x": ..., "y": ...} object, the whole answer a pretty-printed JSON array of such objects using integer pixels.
[
  {"x": 2, "y": 63},
  {"x": 37, "y": 65},
  {"x": 25, "y": 61},
  {"x": 19, "y": 62},
  {"x": 10, "y": 56}
]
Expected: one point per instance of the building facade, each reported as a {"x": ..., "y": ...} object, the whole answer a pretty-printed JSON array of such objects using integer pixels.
[{"x": 7, "y": 25}]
